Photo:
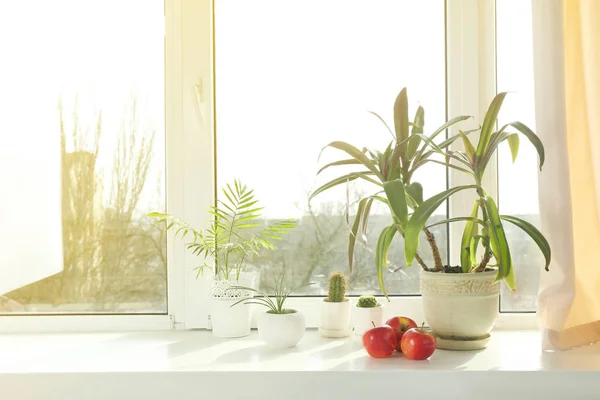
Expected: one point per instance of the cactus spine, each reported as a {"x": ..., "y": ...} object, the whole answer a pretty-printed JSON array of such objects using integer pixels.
[
  {"x": 337, "y": 287},
  {"x": 367, "y": 302}
]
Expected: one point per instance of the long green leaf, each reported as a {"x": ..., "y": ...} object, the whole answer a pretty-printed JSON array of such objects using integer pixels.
[
  {"x": 513, "y": 144},
  {"x": 499, "y": 244},
  {"x": 471, "y": 229},
  {"x": 356, "y": 154},
  {"x": 396, "y": 195},
  {"x": 534, "y": 234},
  {"x": 469, "y": 149},
  {"x": 489, "y": 122},
  {"x": 415, "y": 190},
  {"x": 342, "y": 179},
  {"x": 473, "y": 249},
  {"x": 381, "y": 253},
  {"x": 384, "y": 123},
  {"x": 419, "y": 218},
  {"x": 457, "y": 219},
  {"x": 441, "y": 129},
  {"x": 401, "y": 127},
  {"x": 417, "y": 127},
  {"x": 354, "y": 231},
  {"x": 533, "y": 138},
  {"x": 351, "y": 161}
]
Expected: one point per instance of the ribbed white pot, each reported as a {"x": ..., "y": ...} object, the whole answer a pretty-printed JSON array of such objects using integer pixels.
[
  {"x": 281, "y": 330},
  {"x": 461, "y": 309},
  {"x": 335, "y": 319},
  {"x": 363, "y": 318},
  {"x": 228, "y": 321}
]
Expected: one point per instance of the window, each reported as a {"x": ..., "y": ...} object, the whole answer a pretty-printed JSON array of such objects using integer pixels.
[
  {"x": 82, "y": 127},
  {"x": 517, "y": 182},
  {"x": 304, "y": 74}
]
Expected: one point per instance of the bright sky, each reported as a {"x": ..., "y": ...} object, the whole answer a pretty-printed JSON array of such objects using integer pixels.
[
  {"x": 100, "y": 51},
  {"x": 293, "y": 76}
]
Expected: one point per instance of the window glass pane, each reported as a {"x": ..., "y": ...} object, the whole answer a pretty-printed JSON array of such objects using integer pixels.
[
  {"x": 83, "y": 85},
  {"x": 294, "y": 76},
  {"x": 518, "y": 194}
]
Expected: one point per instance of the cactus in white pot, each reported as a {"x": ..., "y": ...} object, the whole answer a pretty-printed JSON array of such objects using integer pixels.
[
  {"x": 335, "y": 309},
  {"x": 367, "y": 312}
]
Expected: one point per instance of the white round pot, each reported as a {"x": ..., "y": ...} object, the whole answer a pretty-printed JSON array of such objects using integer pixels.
[
  {"x": 363, "y": 318},
  {"x": 335, "y": 319},
  {"x": 228, "y": 321},
  {"x": 281, "y": 330},
  {"x": 461, "y": 309}
]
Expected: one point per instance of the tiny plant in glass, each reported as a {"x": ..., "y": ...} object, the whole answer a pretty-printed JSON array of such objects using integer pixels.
[{"x": 274, "y": 303}]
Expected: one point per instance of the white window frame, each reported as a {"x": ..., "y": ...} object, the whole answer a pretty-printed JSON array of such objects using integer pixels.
[{"x": 191, "y": 180}]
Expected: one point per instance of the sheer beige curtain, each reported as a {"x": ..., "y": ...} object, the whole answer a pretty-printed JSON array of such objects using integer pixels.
[{"x": 567, "y": 89}]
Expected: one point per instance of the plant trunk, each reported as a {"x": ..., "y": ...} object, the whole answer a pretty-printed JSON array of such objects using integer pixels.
[
  {"x": 437, "y": 259},
  {"x": 484, "y": 262},
  {"x": 421, "y": 262}
]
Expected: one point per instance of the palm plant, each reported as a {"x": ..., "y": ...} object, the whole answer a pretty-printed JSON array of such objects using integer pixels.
[
  {"x": 486, "y": 231},
  {"x": 230, "y": 240},
  {"x": 392, "y": 171}
]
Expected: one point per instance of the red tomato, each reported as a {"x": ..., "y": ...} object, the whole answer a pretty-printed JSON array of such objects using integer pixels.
[
  {"x": 380, "y": 342},
  {"x": 417, "y": 344}
]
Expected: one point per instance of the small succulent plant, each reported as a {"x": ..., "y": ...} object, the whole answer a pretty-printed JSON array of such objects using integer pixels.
[
  {"x": 367, "y": 302},
  {"x": 338, "y": 285}
]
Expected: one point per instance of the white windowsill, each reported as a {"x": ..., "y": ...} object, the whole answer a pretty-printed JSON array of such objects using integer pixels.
[{"x": 188, "y": 364}]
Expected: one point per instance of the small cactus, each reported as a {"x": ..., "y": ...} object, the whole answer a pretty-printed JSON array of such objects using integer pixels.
[
  {"x": 337, "y": 287},
  {"x": 367, "y": 302}
]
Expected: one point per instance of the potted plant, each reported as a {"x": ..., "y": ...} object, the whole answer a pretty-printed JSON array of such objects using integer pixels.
[
  {"x": 335, "y": 308},
  {"x": 461, "y": 303},
  {"x": 392, "y": 172},
  {"x": 367, "y": 312},
  {"x": 234, "y": 237},
  {"x": 278, "y": 326}
]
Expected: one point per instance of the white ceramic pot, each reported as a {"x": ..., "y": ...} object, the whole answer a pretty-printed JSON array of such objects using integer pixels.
[
  {"x": 228, "y": 321},
  {"x": 281, "y": 330},
  {"x": 335, "y": 319},
  {"x": 461, "y": 309},
  {"x": 363, "y": 318}
]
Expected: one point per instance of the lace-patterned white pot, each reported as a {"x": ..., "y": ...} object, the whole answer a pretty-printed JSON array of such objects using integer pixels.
[
  {"x": 461, "y": 309},
  {"x": 228, "y": 321}
]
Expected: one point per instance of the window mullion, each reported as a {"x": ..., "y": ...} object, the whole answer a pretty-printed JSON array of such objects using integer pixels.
[
  {"x": 191, "y": 151},
  {"x": 471, "y": 85}
]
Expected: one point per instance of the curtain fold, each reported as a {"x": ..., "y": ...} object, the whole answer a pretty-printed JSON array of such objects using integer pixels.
[{"x": 567, "y": 90}]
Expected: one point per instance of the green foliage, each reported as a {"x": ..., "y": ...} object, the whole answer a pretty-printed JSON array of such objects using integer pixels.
[
  {"x": 492, "y": 237},
  {"x": 234, "y": 235},
  {"x": 338, "y": 285},
  {"x": 367, "y": 302},
  {"x": 391, "y": 170}
]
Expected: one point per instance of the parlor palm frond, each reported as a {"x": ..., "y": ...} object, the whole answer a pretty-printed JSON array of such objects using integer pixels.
[{"x": 231, "y": 238}]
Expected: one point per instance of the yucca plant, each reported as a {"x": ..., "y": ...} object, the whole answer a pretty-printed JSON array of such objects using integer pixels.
[
  {"x": 392, "y": 171},
  {"x": 484, "y": 227},
  {"x": 231, "y": 238}
]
